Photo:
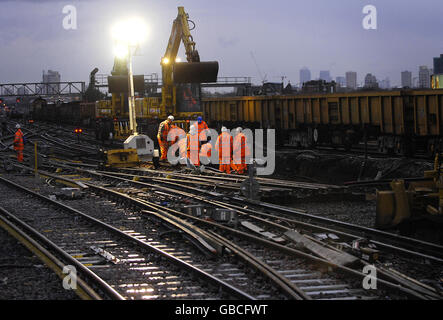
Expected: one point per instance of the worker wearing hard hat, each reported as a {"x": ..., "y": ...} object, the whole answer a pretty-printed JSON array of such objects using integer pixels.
[
  {"x": 19, "y": 144},
  {"x": 202, "y": 127},
  {"x": 176, "y": 137},
  {"x": 175, "y": 133},
  {"x": 224, "y": 147},
  {"x": 240, "y": 152},
  {"x": 193, "y": 144},
  {"x": 162, "y": 137}
]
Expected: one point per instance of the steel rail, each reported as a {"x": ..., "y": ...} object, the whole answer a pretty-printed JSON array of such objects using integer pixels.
[
  {"x": 430, "y": 247},
  {"x": 431, "y": 251},
  {"x": 266, "y": 243},
  {"x": 145, "y": 184},
  {"x": 31, "y": 238},
  {"x": 292, "y": 290},
  {"x": 202, "y": 274},
  {"x": 241, "y": 178}
]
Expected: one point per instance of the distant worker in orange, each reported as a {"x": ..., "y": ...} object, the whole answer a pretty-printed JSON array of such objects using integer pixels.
[
  {"x": 240, "y": 152},
  {"x": 162, "y": 137},
  {"x": 193, "y": 146},
  {"x": 19, "y": 144},
  {"x": 224, "y": 146},
  {"x": 202, "y": 127}
]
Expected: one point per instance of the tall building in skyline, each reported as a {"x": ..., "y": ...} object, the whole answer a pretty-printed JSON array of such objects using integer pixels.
[
  {"x": 325, "y": 75},
  {"x": 385, "y": 84},
  {"x": 406, "y": 79},
  {"x": 351, "y": 80},
  {"x": 305, "y": 76},
  {"x": 341, "y": 81},
  {"x": 51, "y": 77},
  {"x": 438, "y": 64},
  {"x": 371, "y": 81},
  {"x": 424, "y": 77}
]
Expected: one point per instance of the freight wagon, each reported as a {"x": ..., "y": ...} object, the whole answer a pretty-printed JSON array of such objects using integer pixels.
[
  {"x": 74, "y": 113},
  {"x": 401, "y": 121}
]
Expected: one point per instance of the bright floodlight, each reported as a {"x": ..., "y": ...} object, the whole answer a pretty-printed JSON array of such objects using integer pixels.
[
  {"x": 129, "y": 32},
  {"x": 165, "y": 61},
  {"x": 121, "y": 51}
]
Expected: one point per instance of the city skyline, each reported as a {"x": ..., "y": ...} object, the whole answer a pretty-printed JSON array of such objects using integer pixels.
[{"x": 421, "y": 80}]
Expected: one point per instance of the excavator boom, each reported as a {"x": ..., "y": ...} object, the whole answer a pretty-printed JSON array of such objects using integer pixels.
[{"x": 192, "y": 71}]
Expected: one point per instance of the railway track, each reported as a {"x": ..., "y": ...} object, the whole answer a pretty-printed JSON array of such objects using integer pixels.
[
  {"x": 140, "y": 200},
  {"x": 38, "y": 248},
  {"x": 127, "y": 261},
  {"x": 272, "y": 220},
  {"x": 279, "y": 225},
  {"x": 278, "y": 213}
]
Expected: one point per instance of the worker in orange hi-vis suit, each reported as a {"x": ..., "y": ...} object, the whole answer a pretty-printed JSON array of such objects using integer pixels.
[
  {"x": 206, "y": 153},
  {"x": 240, "y": 152},
  {"x": 19, "y": 144},
  {"x": 202, "y": 127},
  {"x": 193, "y": 144},
  {"x": 183, "y": 145},
  {"x": 224, "y": 147},
  {"x": 175, "y": 137},
  {"x": 162, "y": 137}
]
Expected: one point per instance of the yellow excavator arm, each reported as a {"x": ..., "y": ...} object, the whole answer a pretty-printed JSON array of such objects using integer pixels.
[{"x": 181, "y": 33}]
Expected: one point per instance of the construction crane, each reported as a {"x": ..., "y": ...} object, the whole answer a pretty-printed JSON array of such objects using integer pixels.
[
  {"x": 192, "y": 71},
  {"x": 263, "y": 79}
]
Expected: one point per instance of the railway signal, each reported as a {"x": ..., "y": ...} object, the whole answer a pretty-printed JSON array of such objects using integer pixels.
[{"x": 78, "y": 132}]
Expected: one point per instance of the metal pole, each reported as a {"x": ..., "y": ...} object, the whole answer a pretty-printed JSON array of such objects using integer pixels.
[
  {"x": 132, "y": 114},
  {"x": 35, "y": 160}
]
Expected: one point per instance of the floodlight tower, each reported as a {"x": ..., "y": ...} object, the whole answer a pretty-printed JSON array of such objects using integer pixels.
[{"x": 127, "y": 38}]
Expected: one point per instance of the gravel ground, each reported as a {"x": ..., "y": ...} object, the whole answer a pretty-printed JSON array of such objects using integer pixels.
[
  {"x": 356, "y": 212},
  {"x": 328, "y": 167},
  {"x": 24, "y": 277}
]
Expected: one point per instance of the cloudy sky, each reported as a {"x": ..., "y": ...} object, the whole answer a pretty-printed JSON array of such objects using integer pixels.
[{"x": 283, "y": 36}]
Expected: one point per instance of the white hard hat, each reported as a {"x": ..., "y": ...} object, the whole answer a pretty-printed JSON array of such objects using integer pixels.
[
  {"x": 224, "y": 129},
  {"x": 239, "y": 129},
  {"x": 171, "y": 118},
  {"x": 193, "y": 130},
  {"x": 17, "y": 126}
]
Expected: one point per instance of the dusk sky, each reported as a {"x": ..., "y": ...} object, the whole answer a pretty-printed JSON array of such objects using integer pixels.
[{"x": 284, "y": 36}]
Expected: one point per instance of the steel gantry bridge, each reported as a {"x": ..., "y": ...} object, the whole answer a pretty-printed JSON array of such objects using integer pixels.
[
  {"x": 79, "y": 88},
  {"x": 42, "y": 89},
  {"x": 153, "y": 79}
]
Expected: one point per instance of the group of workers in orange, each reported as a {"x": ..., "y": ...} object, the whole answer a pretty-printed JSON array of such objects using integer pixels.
[{"x": 232, "y": 152}]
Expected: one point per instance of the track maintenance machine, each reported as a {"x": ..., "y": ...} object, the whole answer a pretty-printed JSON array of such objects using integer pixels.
[
  {"x": 414, "y": 205},
  {"x": 180, "y": 94}
]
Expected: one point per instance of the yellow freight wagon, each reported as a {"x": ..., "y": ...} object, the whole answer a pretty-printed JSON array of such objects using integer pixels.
[{"x": 400, "y": 121}]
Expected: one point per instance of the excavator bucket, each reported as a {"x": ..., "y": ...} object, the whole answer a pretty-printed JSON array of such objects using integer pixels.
[
  {"x": 393, "y": 207},
  {"x": 195, "y": 72}
]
